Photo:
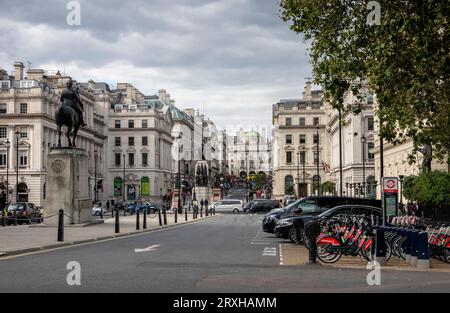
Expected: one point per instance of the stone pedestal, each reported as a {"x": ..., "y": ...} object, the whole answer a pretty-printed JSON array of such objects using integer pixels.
[
  {"x": 203, "y": 193},
  {"x": 68, "y": 186}
]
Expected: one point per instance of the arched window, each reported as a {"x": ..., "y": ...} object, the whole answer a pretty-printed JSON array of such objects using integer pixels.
[{"x": 289, "y": 185}]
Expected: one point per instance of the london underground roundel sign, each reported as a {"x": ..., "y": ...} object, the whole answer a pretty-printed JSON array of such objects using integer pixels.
[{"x": 390, "y": 184}]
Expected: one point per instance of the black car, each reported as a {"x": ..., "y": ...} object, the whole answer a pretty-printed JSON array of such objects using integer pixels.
[
  {"x": 23, "y": 212},
  {"x": 263, "y": 205},
  {"x": 285, "y": 229},
  {"x": 314, "y": 205}
]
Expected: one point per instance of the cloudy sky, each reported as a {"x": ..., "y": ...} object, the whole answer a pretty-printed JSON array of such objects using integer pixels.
[{"x": 231, "y": 58}]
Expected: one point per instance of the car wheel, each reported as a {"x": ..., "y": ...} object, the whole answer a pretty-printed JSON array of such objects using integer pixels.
[
  {"x": 292, "y": 235},
  {"x": 97, "y": 213},
  {"x": 236, "y": 211}
]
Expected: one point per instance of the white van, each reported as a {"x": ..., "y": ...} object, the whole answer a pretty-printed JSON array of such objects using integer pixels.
[{"x": 228, "y": 206}]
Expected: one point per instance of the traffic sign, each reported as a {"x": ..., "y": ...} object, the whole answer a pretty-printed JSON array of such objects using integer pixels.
[{"x": 390, "y": 184}]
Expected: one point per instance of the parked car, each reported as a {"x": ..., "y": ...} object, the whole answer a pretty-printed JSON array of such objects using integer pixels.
[
  {"x": 314, "y": 205},
  {"x": 285, "y": 227},
  {"x": 97, "y": 209},
  {"x": 264, "y": 205},
  {"x": 135, "y": 206},
  {"x": 228, "y": 206},
  {"x": 25, "y": 212}
]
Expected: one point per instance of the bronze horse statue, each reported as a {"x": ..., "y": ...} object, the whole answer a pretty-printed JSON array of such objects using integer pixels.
[{"x": 70, "y": 114}]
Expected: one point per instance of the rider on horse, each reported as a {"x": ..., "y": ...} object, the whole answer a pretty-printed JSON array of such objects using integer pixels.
[{"x": 70, "y": 97}]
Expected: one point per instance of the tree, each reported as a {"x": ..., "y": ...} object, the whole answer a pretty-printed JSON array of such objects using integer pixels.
[
  {"x": 404, "y": 58},
  {"x": 328, "y": 187},
  {"x": 428, "y": 188}
]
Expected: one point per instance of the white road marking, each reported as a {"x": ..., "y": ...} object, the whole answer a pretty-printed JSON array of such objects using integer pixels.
[
  {"x": 268, "y": 251},
  {"x": 152, "y": 248}
]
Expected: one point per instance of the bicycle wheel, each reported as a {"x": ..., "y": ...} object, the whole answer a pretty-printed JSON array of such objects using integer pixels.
[{"x": 325, "y": 256}]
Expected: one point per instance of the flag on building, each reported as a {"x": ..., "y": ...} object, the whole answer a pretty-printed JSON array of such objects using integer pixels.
[{"x": 326, "y": 167}]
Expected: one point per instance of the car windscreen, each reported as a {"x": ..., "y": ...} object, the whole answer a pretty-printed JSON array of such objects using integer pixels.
[{"x": 16, "y": 207}]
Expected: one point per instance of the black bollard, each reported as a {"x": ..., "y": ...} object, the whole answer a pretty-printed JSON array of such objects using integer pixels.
[
  {"x": 380, "y": 247},
  {"x": 138, "y": 226},
  {"x": 101, "y": 212},
  {"x": 112, "y": 212},
  {"x": 201, "y": 211},
  {"x": 5, "y": 215},
  {"x": 176, "y": 215},
  {"x": 61, "y": 226},
  {"x": 15, "y": 218},
  {"x": 117, "y": 228},
  {"x": 185, "y": 214},
  {"x": 165, "y": 215},
  {"x": 160, "y": 217},
  {"x": 144, "y": 224},
  {"x": 193, "y": 212}
]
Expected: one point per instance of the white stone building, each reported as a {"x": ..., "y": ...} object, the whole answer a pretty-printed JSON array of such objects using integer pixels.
[
  {"x": 296, "y": 123},
  {"x": 139, "y": 146},
  {"x": 357, "y": 137},
  {"x": 249, "y": 152},
  {"x": 27, "y": 108}
]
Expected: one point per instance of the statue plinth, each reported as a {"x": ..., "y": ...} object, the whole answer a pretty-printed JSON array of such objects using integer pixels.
[{"x": 68, "y": 186}]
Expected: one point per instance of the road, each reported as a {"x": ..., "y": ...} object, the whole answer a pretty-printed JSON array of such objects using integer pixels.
[{"x": 227, "y": 253}]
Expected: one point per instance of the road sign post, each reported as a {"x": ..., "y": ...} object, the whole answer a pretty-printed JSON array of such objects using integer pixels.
[{"x": 390, "y": 197}]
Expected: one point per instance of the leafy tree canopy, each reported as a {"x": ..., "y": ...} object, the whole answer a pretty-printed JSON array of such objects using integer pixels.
[
  {"x": 403, "y": 57},
  {"x": 428, "y": 188}
]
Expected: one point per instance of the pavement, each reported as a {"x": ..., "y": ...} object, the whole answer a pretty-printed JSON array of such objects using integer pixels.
[
  {"x": 224, "y": 254},
  {"x": 23, "y": 238}
]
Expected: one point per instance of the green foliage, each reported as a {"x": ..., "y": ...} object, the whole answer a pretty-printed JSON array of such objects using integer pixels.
[
  {"x": 328, "y": 187},
  {"x": 428, "y": 188},
  {"x": 405, "y": 61}
]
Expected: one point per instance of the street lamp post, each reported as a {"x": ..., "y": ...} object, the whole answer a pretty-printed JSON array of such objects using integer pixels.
[
  {"x": 8, "y": 144},
  {"x": 318, "y": 158},
  {"x": 17, "y": 165},
  {"x": 363, "y": 142},
  {"x": 298, "y": 174},
  {"x": 304, "y": 170},
  {"x": 401, "y": 191},
  {"x": 124, "y": 190},
  {"x": 180, "y": 136}
]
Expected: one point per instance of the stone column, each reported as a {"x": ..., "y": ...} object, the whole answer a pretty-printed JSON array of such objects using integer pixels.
[{"x": 68, "y": 186}]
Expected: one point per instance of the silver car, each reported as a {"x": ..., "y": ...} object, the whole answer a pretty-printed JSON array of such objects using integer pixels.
[{"x": 228, "y": 206}]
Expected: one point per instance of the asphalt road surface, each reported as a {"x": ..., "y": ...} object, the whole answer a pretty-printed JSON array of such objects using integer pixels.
[{"x": 227, "y": 253}]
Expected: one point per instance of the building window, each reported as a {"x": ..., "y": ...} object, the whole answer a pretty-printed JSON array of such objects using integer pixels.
[
  {"x": 145, "y": 141},
  {"x": 131, "y": 141},
  {"x": 5, "y": 85},
  {"x": 289, "y": 185},
  {"x": 145, "y": 159},
  {"x": 23, "y": 158},
  {"x": 3, "y": 109},
  {"x": 3, "y": 158},
  {"x": 3, "y": 132},
  {"x": 316, "y": 121},
  {"x": 118, "y": 141},
  {"x": 370, "y": 126},
  {"x": 302, "y": 121},
  {"x": 131, "y": 124},
  {"x": 302, "y": 139},
  {"x": 316, "y": 139},
  {"x": 23, "y": 108},
  {"x": 131, "y": 159},
  {"x": 117, "y": 124},
  {"x": 288, "y": 121},
  {"x": 144, "y": 123},
  {"x": 370, "y": 146},
  {"x": 316, "y": 158},
  {"x": 23, "y": 132},
  {"x": 302, "y": 157},
  {"x": 288, "y": 139},
  {"x": 289, "y": 157},
  {"x": 118, "y": 159}
]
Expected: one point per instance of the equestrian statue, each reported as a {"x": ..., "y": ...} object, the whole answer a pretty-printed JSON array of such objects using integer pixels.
[{"x": 70, "y": 114}]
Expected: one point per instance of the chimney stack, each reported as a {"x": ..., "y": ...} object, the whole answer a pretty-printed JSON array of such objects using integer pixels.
[{"x": 18, "y": 70}]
